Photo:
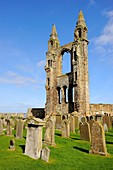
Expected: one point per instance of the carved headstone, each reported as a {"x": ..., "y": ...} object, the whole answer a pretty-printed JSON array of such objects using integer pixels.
[
  {"x": 83, "y": 120},
  {"x": 98, "y": 145},
  {"x": 76, "y": 122},
  {"x": 72, "y": 124},
  {"x": 91, "y": 124},
  {"x": 105, "y": 127},
  {"x": 49, "y": 136},
  {"x": 9, "y": 127},
  {"x": 33, "y": 145},
  {"x": 45, "y": 154},
  {"x": 19, "y": 128},
  {"x": 85, "y": 131},
  {"x": 108, "y": 120},
  {"x": 65, "y": 128},
  {"x": 1, "y": 127}
]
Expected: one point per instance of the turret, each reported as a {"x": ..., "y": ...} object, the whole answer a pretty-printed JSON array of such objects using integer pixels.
[
  {"x": 53, "y": 41},
  {"x": 81, "y": 28}
]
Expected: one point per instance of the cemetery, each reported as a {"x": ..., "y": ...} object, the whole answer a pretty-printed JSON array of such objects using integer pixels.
[
  {"x": 69, "y": 133},
  {"x": 38, "y": 144}
]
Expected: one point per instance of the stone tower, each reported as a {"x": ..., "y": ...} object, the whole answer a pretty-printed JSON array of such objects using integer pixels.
[{"x": 68, "y": 92}]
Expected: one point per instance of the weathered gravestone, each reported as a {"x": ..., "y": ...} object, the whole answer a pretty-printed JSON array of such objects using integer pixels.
[
  {"x": 72, "y": 124},
  {"x": 1, "y": 127},
  {"x": 98, "y": 145},
  {"x": 85, "y": 131},
  {"x": 108, "y": 120},
  {"x": 9, "y": 127},
  {"x": 45, "y": 154},
  {"x": 49, "y": 136},
  {"x": 19, "y": 129},
  {"x": 83, "y": 120},
  {"x": 65, "y": 128},
  {"x": 76, "y": 122},
  {"x": 105, "y": 127},
  {"x": 58, "y": 121},
  {"x": 33, "y": 145},
  {"x": 91, "y": 124}
]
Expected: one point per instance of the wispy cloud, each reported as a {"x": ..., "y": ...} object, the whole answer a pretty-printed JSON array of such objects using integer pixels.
[
  {"x": 16, "y": 79},
  {"x": 103, "y": 44},
  {"x": 41, "y": 63},
  {"x": 91, "y": 2}
]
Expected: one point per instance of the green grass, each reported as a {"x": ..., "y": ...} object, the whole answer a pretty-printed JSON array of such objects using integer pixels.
[{"x": 69, "y": 154}]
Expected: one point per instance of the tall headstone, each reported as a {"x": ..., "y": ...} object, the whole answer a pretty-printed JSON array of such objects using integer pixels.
[
  {"x": 9, "y": 127},
  {"x": 83, "y": 120},
  {"x": 1, "y": 127},
  {"x": 33, "y": 145},
  {"x": 98, "y": 144},
  {"x": 85, "y": 131},
  {"x": 19, "y": 129},
  {"x": 72, "y": 124},
  {"x": 76, "y": 122},
  {"x": 65, "y": 128},
  {"x": 91, "y": 124},
  {"x": 49, "y": 136}
]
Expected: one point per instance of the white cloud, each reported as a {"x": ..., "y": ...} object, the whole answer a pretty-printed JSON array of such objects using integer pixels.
[
  {"x": 103, "y": 44},
  {"x": 106, "y": 37},
  {"x": 41, "y": 63},
  {"x": 16, "y": 79}
]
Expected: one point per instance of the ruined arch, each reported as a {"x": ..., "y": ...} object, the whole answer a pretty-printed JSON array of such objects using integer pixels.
[{"x": 66, "y": 60}]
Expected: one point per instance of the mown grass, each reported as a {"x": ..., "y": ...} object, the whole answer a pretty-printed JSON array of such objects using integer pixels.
[{"x": 69, "y": 154}]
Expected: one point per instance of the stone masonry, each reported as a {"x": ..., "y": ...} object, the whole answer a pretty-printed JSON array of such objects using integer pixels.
[{"x": 68, "y": 92}]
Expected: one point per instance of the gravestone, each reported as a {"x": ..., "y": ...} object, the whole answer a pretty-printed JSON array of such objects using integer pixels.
[
  {"x": 49, "y": 136},
  {"x": 1, "y": 127},
  {"x": 83, "y": 120},
  {"x": 19, "y": 129},
  {"x": 72, "y": 124},
  {"x": 98, "y": 145},
  {"x": 76, "y": 122},
  {"x": 91, "y": 124},
  {"x": 58, "y": 121},
  {"x": 108, "y": 120},
  {"x": 105, "y": 127},
  {"x": 12, "y": 145},
  {"x": 33, "y": 145},
  {"x": 9, "y": 127},
  {"x": 85, "y": 131},
  {"x": 65, "y": 128},
  {"x": 45, "y": 154}
]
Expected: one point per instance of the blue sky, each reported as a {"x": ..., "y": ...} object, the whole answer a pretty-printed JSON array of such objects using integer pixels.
[{"x": 25, "y": 27}]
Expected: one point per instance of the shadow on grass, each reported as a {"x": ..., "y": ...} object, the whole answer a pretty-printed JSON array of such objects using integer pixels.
[
  {"x": 22, "y": 147},
  {"x": 109, "y": 134},
  {"x": 57, "y": 134},
  {"x": 74, "y": 138},
  {"x": 24, "y": 137},
  {"x": 81, "y": 149},
  {"x": 107, "y": 142}
]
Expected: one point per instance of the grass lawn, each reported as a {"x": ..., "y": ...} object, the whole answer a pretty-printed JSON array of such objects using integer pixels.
[{"x": 69, "y": 154}]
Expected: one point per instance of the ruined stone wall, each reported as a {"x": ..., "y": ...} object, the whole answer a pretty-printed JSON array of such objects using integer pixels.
[{"x": 101, "y": 109}]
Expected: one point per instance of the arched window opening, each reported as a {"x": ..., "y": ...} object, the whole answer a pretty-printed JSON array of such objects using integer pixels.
[
  {"x": 51, "y": 44},
  {"x": 79, "y": 33},
  {"x": 59, "y": 95},
  {"x": 48, "y": 81},
  {"x": 75, "y": 56},
  {"x": 49, "y": 63},
  {"x": 66, "y": 63},
  {"x": 76, "y": 76},
  {"x": 65, "y": 94}
]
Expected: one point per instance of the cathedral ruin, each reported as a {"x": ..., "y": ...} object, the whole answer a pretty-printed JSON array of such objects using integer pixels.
[{"x": 66, "y": 93}]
